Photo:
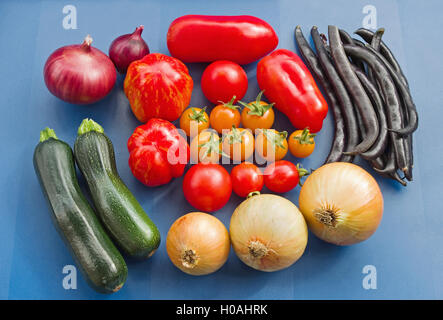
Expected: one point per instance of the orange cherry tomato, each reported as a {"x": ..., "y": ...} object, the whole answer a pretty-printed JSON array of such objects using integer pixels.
[
  {"x": 301, "y": 143},
  {"x": 238, "y": 144},
  {"x": 271, "y": 145},
  {"x": 224, "y": 116},
  {"x": 194, "y": 117},
  {"x": 206, "y": 147},
  {"x": 257, "y": 114}
]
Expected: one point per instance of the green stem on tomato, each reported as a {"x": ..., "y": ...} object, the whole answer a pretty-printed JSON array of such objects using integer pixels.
[
  {"x": 275, "y": 138},
  {"x": 302, "y": 172},
  {"x": 230, "y": 104},
  {"x": 256, "y": 107},
  {"x": 306, "y": 137},
  {"x": 235, "y": 136},
  {"x": 198, "y": 116}
]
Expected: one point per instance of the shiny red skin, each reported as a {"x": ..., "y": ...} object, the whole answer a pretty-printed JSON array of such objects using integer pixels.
[
  {"x": 128, "y": 48},
  {"x": 200, "y": 38},
  {"x": 222, "y": 80},
  {"x": 207, "y": 186},
  {"x": 246, "y": 178},
  {"x": 148, "y": 150},
  {"x": 289, "y": 84},
  {"x": 158, "y": 86},
  {"x": 79, "y": 74},
  {"x": 281, "y": 176}
]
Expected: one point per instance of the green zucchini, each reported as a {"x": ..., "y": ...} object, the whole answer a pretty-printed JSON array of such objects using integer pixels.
[
  {"x": 121, "y": 214},
  {"x": 95, "y": 254}
]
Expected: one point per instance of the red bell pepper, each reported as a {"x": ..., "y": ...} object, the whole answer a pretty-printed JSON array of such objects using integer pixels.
[
  {"x": 157, "y": 152},
  {"x": 241, "y": 39},
  {"x": 289, "y": 84}
]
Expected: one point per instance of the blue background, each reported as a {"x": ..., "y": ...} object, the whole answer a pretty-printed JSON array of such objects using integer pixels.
[{"x": 406, "y": 249}]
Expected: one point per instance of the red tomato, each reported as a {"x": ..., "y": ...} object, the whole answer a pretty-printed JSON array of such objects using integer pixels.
[
  {"x": 158, "y": 86},
  {"x": 207, "y": 186},
  {"x": 157, "y": 152},
  {"x": 283, "y": 176},
  {"x": 222, "y": 80},
  {"x": 289, "y": 84},
  {"x": 241, "y": 39},
  {"x": 246, "y": 178}
]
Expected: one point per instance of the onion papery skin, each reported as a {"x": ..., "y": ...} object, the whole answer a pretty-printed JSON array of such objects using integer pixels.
[
  {"x": 198, "y": 243},
  {"x": 342, "y": 203},
  {"x": 79, "y": 74},
  {"x": 128, "y": 48},
  {"x": 268, "y": 232}
]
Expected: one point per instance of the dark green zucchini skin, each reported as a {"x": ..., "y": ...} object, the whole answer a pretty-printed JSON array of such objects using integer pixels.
[
  {"x": 95, "y": 254},
  {"x": 122, "y": 215}
]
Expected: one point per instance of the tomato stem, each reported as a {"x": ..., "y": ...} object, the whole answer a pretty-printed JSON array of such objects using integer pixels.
[
  {"x": 275, "y": 138},
  {"x": 212, "y": 146},
  {"x": 235, "y": 136},
  {"x": 257, "y": 107},
  {"x": 230, "y": 104},
  {"x": 305, "y": 137},
  {"x": 198, "y": 116},
  {"x": 302, "y": 172},
  {"x": 253, "y": 193}
]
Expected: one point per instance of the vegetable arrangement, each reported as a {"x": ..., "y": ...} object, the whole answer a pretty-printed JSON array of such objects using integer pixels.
[{"x": 341, "y": 203}]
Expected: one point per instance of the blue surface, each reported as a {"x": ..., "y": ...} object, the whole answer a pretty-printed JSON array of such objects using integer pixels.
[{"x": 406, "y": 249}]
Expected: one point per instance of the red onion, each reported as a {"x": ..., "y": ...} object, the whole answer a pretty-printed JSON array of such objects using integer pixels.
[
  {"x": 128, "y": 48},
  {"x": 79, "y": 73}
]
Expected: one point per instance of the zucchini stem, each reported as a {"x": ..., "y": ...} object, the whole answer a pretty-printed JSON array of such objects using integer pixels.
[
  {"x": 47, "y": 133},
  {"x": 89, "y": 125}
]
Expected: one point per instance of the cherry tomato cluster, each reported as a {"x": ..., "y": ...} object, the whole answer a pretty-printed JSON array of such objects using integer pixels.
[{"x": 207, "y": 185}]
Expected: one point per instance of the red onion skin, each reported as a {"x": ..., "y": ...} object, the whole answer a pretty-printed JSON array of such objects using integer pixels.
[
  {"x": 128, "y": 48},
  {"x": 79, "y": 74}
]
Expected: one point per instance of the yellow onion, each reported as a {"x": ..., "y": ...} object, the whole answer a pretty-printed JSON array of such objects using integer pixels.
[
  {"x": 341, "y": 203},
  {"x": 198, "y": 243},
  {"x": 268, "y": 232}
]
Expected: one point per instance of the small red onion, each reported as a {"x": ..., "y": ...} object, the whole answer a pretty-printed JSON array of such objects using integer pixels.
[
  {"x": 79, "y": 73},
  {"x": 128, "y": 48}
]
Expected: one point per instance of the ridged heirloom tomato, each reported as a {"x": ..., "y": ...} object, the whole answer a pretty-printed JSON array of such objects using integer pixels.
[
  {"x": 157, "y": 152},
  {"x": 158, "y": 86}
]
